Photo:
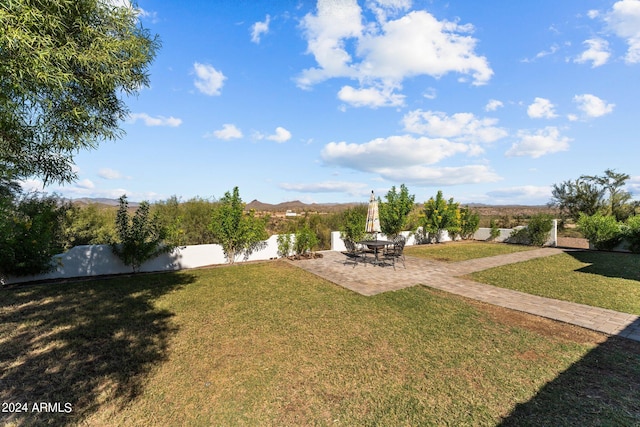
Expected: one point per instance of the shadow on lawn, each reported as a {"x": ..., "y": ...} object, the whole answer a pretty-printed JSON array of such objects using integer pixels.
[
  {"x": 84, "y": 343},
  {"x": 610, "y": 264},
  {"x": 603, "y": 388}
]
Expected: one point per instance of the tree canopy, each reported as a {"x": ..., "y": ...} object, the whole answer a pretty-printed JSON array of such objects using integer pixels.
[
  {"x": 395, "y": 211},
  {"x": 64, "y": 67}
]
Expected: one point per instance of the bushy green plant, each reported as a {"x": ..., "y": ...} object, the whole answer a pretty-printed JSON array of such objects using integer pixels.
[
  {"x": 89, "y": 225},
  {"x": 631, "y": 232},
  {"x": 603, "y": 232},
  {"x": 141, "y": 238},
  {"x": 441, "y": 215},
  {"x": 538, "y": 229},
  {"x": 285, "y": 245},
  {"x": 394, "y": 212},
  {"x": 305, "y": 241},
  {"x": 469, "y": 223},
  {"x": 236, "y": 231},
  {"x": 31, "y": 232},
  {"x": 494, "y": 233},
  {"x": 353, "y": 223}
]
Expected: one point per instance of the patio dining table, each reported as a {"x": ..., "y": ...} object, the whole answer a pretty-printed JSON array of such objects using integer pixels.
[{"x": 375, "y": 245}]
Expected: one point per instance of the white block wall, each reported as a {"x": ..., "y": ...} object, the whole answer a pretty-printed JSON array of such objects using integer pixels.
[{"x": 96, "y": 260}]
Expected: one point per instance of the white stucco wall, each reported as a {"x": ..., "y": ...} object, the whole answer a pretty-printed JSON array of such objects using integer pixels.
[{"x": 96, "y": 260}]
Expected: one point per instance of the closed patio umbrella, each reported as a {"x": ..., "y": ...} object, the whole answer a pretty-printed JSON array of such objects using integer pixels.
[{"x": 373, "y": 216}]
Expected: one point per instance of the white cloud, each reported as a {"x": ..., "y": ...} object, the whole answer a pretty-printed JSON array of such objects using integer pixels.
[
  {"x": 385, "y": 8},
  {"x": 633, "y": 186},
  {"x": 383, "y": 53},
  {"x": 228, "y": 131},
  {"x": 260, "y": 28},
  {"x": 281, "y": 135},
  {"x": 598, "y": 53},
  {"x": 541, "y": 109},
  {"x": 419, "y": 44},
  {"x": 106, "y": 173},
  {"x": 592, "y": 106},
  {"x": 462, "y": 127},
  {"x": 392, "y": 152},
  {"x": 528, "y": 193},
  {"x": 352, "y": 188},
  {"x": 208, "y": 80},
  {"x": 432, "y": 176},
  {"x": 542, "y": 142},
  {"x": 624, "y": 20},
  {"x": 86, "y": 184},
  {"x": 493, "y": 105},
  {"x": 370, "y": 97},
  {"x": 155, "y": 121}
]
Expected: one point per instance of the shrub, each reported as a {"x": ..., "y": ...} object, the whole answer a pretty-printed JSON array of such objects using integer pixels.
[
  {"x": 237, "y": 232},
  {"x": 31, "y": 232},
  {"x": 538, "y": 229},
  {"x": 495, "y": 230},
  {"x": 603, "y": 232},
  {"x": 285, "y": 245},
  {"x": 140, "y": 238},
  {"x": 353, "y": 223},
  {"x": 441, "y": 215},
  {"x": 469, "y": 223},
  {"x": 394, "y": 212},
  {"x": 305, "y": 241},
  {"x": 632, "y": 233}
]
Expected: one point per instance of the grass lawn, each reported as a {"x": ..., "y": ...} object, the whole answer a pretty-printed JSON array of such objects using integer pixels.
[
  {"x": 601, "y": 279},
  {"x": 461, "y": 251},
  {"x": 269, "y": 344}
]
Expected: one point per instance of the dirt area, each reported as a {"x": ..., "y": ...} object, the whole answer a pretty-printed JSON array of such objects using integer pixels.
[{"x": 573, "y": 242}]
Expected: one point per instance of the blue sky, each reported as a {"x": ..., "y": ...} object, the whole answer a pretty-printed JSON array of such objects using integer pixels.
[{"x": 492, "y": 101}]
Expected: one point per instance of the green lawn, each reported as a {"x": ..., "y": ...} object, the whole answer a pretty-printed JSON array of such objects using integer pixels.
[
  {"x": 461, "y": 251},
  {"x": 269, "y": 344},
  {"x": 600, "y": 279}
]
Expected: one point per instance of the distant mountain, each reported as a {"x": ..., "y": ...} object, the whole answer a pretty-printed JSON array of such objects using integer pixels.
[
  {"x": 298, "y": 206},
  {"x": 101, "y": 201}
]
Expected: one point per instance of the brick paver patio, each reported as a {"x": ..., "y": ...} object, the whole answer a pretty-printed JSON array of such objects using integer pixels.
[{"x": 371, "y": 280}]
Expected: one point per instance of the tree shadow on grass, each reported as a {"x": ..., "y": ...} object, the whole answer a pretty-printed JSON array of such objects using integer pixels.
[
  {"x": 85, "y": 344},
  {"x": 602, "y": 389},
  {"x": 610, "y": 264}
]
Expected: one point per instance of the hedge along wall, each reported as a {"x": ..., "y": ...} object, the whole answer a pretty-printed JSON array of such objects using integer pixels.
[{"x": 97, "y": 260}]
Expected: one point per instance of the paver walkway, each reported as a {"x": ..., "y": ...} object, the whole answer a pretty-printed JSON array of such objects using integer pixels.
[{"x": 371, "y": 280}]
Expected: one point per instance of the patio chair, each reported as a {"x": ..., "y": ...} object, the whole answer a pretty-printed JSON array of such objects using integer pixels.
[
  {"x": 396, "y": 252},
  {"x": 354, "y": 254}
]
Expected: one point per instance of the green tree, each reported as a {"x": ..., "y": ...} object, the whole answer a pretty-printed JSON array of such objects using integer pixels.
[
  {"x": 353, "y": 223},
  {"x": 31, "y": 232},
  {"x": 441, "y": 215},
  {"x": 236, "y": 231},
  {"x": 141, "y": 238},
  {"x": 89, "y": 225},
  {"x": 576, "y": 197},
  {"x": 612, "y": 183},
  {"x": 469, "y": 222},
  {"x": 65, "y": 66},
  {"x": 602, "y": 231},
  {"x": 395, "y": 211}
]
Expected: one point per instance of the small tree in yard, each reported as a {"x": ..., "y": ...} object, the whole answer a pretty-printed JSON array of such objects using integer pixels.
[
  {"x": 31, "y": 232},
  {"x": 236, "y": 231},
  {"x": 441, "y": 215},
  {"x": 141, "y": 238},
  {"x": 602, "y": 231},
  {"x": 353, "y": 223},
  {"x": 395, "y": 211},
  {"x": 469, "y": 223}
]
